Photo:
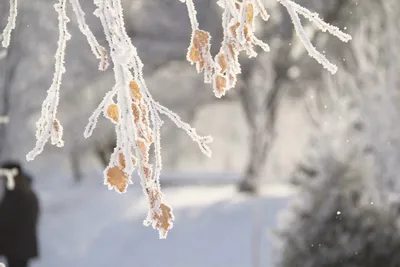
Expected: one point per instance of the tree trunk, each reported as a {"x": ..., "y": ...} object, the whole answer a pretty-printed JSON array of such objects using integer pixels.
[
  {"x": 259, "y": 99},
  {"x": 261, "y": 139},
  {"x": 75, "y": 165}
]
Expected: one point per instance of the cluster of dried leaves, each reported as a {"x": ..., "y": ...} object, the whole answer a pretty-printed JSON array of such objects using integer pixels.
[{"x": 239, "y": 35}]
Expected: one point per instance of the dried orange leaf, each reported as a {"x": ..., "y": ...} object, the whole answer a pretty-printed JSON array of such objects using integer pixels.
[
  {"x": 194, "y": 54},
  {"x": 200, "y": 43},
  {"x": 220, "y": 84},
  {"x": 122, "y": 160},
  {"x": 164, "y": 221},
  {"x": 113, "y": 112},
  {"x": 201, "y": 38},
  {"x": 142, "y": 145},
  {"x": 148, "y": 172},
  {"x": 234, "y": 28},
  {"x": 117, "y": 179},
  {"x": 135, "y": 89},
  {"x": 145, "y": 114},
  {"x": 250, "y": 13},
  {"x": 247, "y": 34},
  {"x": 232, "y": 50},
  {"x": 136, "y": 113},
  {"x": 222, "y": 62}
]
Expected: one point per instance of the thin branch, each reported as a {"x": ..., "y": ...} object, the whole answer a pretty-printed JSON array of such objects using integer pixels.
[
  {"x": 99, "y": 51},
  {"x": 6, "y": 35},
  {"x": 48, "y": 126}
]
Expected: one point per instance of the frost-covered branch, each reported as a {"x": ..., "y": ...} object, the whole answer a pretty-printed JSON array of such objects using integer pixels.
[
  {"x": 136, "y": 116},
  {"x": 48, "y": 125},
  {"x": 99, "y": 51},
  {"x": 6, "y": 34},
  {"x": 295, "y": 9},
  {"x": 239, "y": 28},
  {"x": 129, "y": 104}
]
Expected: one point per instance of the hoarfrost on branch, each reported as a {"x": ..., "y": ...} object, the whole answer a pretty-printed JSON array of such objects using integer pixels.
[{"x": 129, "y": 104}]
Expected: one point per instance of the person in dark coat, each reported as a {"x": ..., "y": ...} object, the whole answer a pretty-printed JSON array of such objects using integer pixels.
[{"x": 19, "y": 212}]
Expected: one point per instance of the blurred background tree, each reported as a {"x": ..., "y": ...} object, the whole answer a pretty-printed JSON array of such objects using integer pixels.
[{"x": 346, "y": 213}]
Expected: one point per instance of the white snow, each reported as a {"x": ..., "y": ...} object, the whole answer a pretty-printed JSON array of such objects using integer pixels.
[{"x": 89, "y": 226}]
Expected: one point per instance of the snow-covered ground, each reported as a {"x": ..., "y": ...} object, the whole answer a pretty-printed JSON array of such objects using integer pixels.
[{"x": 89, "y": 226}]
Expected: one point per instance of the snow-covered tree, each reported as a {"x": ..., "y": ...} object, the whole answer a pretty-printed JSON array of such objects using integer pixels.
[
  {"x": 341, "y": 216},
  {"x": 129, "y": 104},
  {"x": 346, "y": 213},
  {"x": 271, "y": 76}
]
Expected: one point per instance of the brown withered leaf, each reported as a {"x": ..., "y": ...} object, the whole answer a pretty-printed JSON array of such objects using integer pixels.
[
  {"x": 122, "y": 161},
  {"x": 232, "y": 50},
  {"x": 222, "y": 62},
  {"x": 135, "y": 89},
  {"x": 154, "y": 195},
  {"x": 136, "y": 113},
  {"x": 220, "y": 84},
  {"x": 56, "y": 126},
  {"x": 134, "y": 161},
  {"x": 144, "y": 148},
  {"x": 201, "y": 38},
  {"x": 234, "y": 28},
  {"x": 142, "y": 145},
  {"x": 148, "y": 172},
  {"x": 117, "y": 179},
  {"x": 164, "y": 221},
  {"x": 146, "y": 135},
  {"x": 113, "y": 112},
  {"x": 194, "y": 54},
  {"x": 200, "y": 42},
  {"x": 202, "y": 63},
  {"x": 247, "y": 33},
  {"x": 145, "y": 114}
]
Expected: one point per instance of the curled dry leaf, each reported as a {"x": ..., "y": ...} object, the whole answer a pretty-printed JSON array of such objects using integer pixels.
[
  {"x": 222, "y": 61},
  {"x": 164, "y": 220},
  {"x": 160, "y": 215},
  {"x": 117, "y": 179},
  {"x": 199, "y": 50},
  {"x": 144, "y": 148},
  {"x": 220, "y": 85},
  {"x": 122, "y": 162}
]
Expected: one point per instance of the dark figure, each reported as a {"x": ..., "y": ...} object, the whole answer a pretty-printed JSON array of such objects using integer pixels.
[{"x": 19, "y": 211}]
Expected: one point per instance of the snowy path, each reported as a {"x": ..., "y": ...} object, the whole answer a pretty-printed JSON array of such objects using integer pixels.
[{"x": 90, "y": 226}]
